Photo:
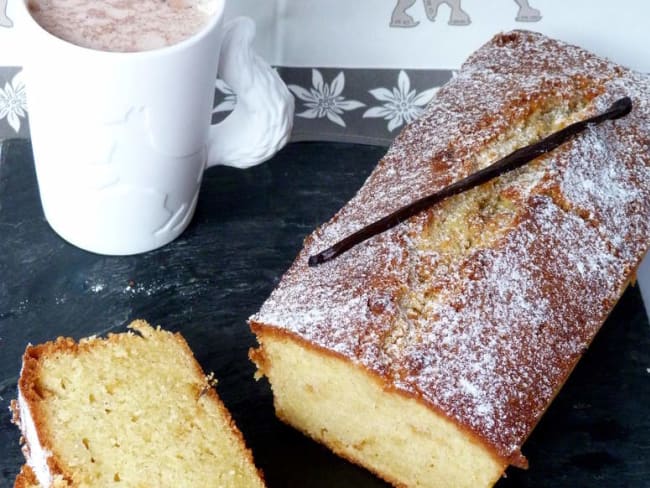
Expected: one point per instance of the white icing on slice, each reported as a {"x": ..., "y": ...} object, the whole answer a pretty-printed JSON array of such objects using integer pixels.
[{"x": 35, "y": 453}]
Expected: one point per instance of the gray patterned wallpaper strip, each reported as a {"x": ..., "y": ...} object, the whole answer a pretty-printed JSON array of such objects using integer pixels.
[
  {"x": 367, "y": 106},
  {"x": 358, "y": 105},
  {"x": 13, "y": 104}
]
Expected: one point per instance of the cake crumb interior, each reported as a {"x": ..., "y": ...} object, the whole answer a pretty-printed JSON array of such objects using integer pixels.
[{"x": 132, "y": 411}]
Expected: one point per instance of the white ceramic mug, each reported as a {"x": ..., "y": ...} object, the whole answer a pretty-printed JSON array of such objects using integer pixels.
[{"x": 121, "y": 140}]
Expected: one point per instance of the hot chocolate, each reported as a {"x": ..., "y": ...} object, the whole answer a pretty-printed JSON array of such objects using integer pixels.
[{"x": 122, "y": 25}]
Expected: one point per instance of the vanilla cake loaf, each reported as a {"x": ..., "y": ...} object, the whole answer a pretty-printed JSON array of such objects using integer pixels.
[
  {"x": 133, "y": 410},
  {"x": 428, "y": 353}
]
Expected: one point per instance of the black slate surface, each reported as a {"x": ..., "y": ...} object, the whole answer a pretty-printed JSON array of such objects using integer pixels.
[{"x": 248, "y": 227}]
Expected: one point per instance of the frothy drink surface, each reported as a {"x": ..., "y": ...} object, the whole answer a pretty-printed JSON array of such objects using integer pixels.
[{"x": 122, "y": 25}]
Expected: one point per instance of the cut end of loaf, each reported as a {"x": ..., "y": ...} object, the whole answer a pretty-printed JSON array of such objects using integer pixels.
[
  {"x": 359, "y": 417},
  {"x": 134, "y": 409}
]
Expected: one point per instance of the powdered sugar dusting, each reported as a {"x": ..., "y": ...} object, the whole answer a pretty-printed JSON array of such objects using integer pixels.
[
  {"x": 605, "y": 175},
  {"x": 488, "y": 337},
  {"x": 492, "y": 353}
]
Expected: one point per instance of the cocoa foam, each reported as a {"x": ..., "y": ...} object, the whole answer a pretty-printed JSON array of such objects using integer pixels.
[{"x": 122, "y": 25}]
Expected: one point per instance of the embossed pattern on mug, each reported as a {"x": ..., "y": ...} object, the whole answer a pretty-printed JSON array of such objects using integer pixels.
[{"x": 122, "y": 25}]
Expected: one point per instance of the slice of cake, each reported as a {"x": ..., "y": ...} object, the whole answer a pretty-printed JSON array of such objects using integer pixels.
[
  {"x": 134, "y": 410},
  {"x": 429, "y": 352}
]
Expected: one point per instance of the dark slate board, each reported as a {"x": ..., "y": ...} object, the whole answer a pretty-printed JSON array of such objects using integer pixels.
[{"x": 248, "y": 227}]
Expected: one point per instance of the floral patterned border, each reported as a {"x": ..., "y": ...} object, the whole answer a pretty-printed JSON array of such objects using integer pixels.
[
  {"x": 332, "y": 104},
  {"x": 13, "y": 104},
  {"x": 359, "y": 105}
]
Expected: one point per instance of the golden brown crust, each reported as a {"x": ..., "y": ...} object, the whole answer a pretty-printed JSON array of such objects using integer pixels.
[
  {"x": 488, "y": 330},
  {"x": 26, "y": 478}
]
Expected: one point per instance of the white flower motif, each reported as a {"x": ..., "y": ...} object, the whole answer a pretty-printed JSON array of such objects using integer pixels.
[
  {"x": 402, "y": 104},
  {"x": 229, "y": 98},
  {"x": 13, "y": 101},
  {"x": 325, "y": 100}
]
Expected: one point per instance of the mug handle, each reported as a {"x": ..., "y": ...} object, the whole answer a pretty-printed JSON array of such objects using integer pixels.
[{"x": 261, "y": 122}]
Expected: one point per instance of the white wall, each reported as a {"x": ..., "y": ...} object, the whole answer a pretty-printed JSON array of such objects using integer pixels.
[{"x": 357, "y": 34}]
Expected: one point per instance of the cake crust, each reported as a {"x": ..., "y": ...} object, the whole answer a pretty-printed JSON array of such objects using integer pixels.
[
  {"x": 481, "y": 306},
  {"x": 26, "y": 478}
]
